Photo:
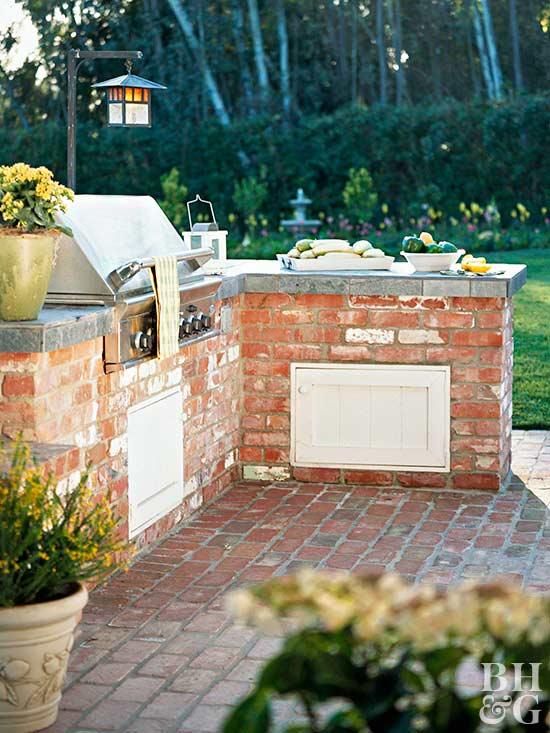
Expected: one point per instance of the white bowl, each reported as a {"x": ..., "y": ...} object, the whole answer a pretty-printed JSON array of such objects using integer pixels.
[{"x": 425, "y": 262}]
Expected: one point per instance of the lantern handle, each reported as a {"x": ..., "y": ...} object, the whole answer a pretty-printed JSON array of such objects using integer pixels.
[{"x": 196, "y": 200}]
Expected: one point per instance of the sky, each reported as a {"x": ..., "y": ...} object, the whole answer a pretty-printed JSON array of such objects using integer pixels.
[{"x": 12, "y": 15}]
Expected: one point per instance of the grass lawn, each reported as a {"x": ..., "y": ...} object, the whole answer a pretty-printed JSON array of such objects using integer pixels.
[{"x": 532, "y": 339}]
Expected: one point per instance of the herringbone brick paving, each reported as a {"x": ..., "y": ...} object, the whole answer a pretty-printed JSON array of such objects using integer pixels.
[{"x": 157, "y": 652}]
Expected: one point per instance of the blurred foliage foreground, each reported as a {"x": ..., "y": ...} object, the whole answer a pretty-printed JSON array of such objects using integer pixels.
[{"x": 376, "y": 655}]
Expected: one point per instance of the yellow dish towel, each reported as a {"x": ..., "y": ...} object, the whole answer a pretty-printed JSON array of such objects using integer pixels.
[{"x": 164, "y": 275}]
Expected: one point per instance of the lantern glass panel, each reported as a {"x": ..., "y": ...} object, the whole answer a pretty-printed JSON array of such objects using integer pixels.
[
  {"x": 128, "y": 94},
  {"x": 115, "y": 113},
  {"x": 137, "y": 94},
  {"x": 137, "y": 114},
  {"x": 215, "y": 244},
  {"x": 196, "y": 241}
]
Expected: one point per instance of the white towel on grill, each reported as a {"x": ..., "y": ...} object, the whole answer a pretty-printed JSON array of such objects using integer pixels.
[{"x": 164, "y": 275}]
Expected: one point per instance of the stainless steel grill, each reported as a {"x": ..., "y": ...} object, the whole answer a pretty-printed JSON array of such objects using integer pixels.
[{"x": 106, "y": 262}]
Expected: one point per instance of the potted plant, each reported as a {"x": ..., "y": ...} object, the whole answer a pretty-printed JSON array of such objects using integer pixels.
[
  {"x": 49, "y": 545},
  {"x": 376, "y": 655},
  {"x": 29, "y": 199}
]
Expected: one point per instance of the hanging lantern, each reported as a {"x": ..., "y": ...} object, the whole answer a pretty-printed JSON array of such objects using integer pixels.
[
  {"x": 128, "y": 99},
  {"x": 206, "y": 233}
]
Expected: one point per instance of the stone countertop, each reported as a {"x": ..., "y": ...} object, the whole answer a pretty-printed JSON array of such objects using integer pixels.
[
  {"x": 60, "y": 326},
  {"x": 40, "y": 453},
  {"x": 56, "y": 328},
  {"x": 258, "y": 276}
]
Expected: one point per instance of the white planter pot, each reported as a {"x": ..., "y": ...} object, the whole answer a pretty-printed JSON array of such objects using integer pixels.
[{"x": 35, "y": 642}]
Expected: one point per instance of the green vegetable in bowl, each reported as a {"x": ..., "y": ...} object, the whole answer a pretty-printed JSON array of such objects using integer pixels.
[
  {"x": 448, "y": 247},
  {"x": 434, "y": 249},
  {"x": 413, "y": 244}
]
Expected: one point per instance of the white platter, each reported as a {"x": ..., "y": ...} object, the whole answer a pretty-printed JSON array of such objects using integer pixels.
[{"x": 328, "y": 263}]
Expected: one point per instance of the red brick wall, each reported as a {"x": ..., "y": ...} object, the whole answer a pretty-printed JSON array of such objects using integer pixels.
[
  {"x": 474, "y": 336},
  {"x": 64, "y": 397},
  {"x": 236, "y": 391}
]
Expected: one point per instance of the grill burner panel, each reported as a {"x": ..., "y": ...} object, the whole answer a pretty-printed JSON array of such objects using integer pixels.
[
  {"x": 114, "y": 242},
  {"x": 134, "y": 341}
]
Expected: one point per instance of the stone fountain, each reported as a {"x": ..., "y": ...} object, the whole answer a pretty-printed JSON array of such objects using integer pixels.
[{"x": 300, "y": 223}]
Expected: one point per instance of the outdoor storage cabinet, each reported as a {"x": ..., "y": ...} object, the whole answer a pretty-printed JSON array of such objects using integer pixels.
[{"x": 370, "y": 416}]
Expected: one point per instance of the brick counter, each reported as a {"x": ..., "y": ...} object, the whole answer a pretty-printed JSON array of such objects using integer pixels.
[
  {"x": 64, "y": 397},
  {"x": 473, "y": 335},
  {"x": 236, "y": 385}
]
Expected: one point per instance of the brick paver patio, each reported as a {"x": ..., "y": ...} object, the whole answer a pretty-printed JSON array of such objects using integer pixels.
[{"x": 157, "y": 653}]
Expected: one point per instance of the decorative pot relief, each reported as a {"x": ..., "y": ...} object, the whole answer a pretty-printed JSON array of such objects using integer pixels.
[{"x": 15, "y": 675}]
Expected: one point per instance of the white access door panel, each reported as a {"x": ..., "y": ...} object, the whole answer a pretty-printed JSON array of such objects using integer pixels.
[
  {"x": 155, "y": 459},
  {"x": 370, "y": 416}
]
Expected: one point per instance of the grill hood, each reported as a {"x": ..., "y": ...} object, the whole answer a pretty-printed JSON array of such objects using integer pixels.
[{"x": 108, "y": 232}]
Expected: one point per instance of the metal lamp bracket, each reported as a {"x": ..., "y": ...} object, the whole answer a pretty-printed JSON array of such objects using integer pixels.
[{"x": 211, "y": 226}]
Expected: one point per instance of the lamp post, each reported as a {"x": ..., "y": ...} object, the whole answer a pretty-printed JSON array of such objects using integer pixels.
[{"x": 129, "y": 98}]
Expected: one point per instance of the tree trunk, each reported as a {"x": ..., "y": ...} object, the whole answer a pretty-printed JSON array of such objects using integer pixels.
[
  {"x": 342, "y": 46},
  {"x": 483, "y": 53},
  {"x": 259, "y": 54},
  {"x": 400, "y": 81},
  {"x": 381, "y": 48},
  {"x": 202, "y": 59},
  {"x": 153, "y": 18},
  {"x": 238, "y": 35},
  {"x": 284, "y": 72},
  {"x": 208, "y": 79},
  {"x": 354, "y": 59},
  {"x": 492, "y": 49},
  {"x": 516, "y": 51},
  {"x": 474, "y": 76}
]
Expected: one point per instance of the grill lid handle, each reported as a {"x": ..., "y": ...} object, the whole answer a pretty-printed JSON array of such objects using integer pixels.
[{"x": 123, "y": 274}]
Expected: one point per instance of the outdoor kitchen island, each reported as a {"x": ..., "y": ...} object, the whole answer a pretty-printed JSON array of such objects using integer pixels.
[{"x": 378, "y": 378}]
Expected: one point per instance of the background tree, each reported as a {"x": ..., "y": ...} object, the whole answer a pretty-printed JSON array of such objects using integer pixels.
[{"x": 306, "y": 88}]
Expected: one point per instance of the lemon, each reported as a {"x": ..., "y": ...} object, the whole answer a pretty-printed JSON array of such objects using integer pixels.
[{"x": 426, "y": 237}]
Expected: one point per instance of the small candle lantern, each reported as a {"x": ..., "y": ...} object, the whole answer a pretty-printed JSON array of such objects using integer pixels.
[
  {"x": 129, "y": 99},
  {"x": 206, "y": 233}
]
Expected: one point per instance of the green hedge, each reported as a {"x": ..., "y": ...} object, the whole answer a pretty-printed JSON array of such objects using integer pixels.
[{"x": 451, "y": 151}]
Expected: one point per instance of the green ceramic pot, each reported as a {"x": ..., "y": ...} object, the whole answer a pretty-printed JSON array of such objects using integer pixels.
[{"x": 26, "y": 262}]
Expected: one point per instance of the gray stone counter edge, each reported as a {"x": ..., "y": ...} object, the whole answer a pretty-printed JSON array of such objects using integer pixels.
[
  {"x": 264, "y": 278},
  {"x": 56, "y": 328}
]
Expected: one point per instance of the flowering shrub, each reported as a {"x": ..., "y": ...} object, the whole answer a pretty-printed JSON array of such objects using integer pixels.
[
  {"x": 386, "y": 654},
  {"x": 359, "y": 195},
  {"x": 29, "y": 197},
  {"x": 49, "y": 542}
]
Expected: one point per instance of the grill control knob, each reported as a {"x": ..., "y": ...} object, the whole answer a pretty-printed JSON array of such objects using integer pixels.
[
  {"x": 186, "y": 327},
  {"x": 143, "y": 340},
  {"x": 206, "y": 322}
]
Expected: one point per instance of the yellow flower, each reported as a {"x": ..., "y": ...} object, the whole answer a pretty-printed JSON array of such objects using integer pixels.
[
  {"x": 44, "y": 190},
  {"x": 385, "y": 208},
  {"x": 10, "y": 207}
]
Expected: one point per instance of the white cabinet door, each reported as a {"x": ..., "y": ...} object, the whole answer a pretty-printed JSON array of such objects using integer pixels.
[
  {"x": 370, "y": 416},
  {"x": 155, "y": 459}
]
